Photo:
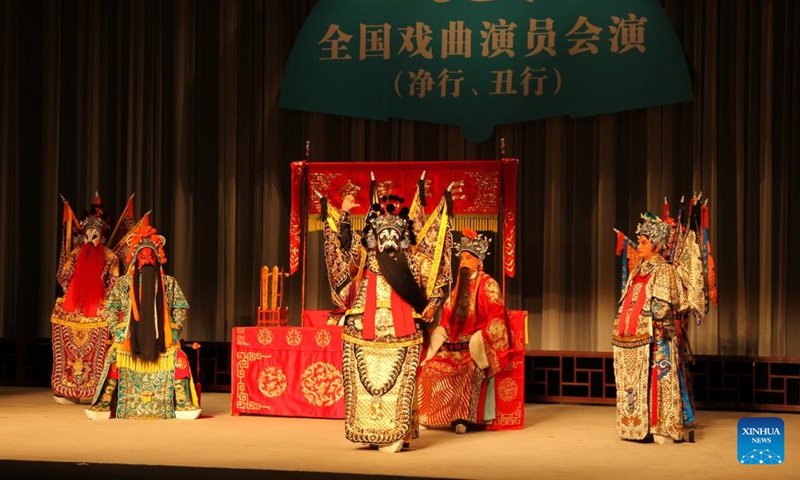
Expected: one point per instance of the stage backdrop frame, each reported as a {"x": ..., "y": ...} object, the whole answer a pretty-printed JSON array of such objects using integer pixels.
[{"x": 484, "y": 198}]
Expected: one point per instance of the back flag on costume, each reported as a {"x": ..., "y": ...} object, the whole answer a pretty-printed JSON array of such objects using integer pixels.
[
  {"x": 124, "y": 225},
  {"x": 122, "y": 247},
  {"x": 70, "y": 225}
]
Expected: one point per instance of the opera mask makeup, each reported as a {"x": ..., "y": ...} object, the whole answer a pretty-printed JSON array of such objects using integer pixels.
[
  {"x": 93, "y": 236},
  {"x": 388, "y": 239},
  {"x": 146, "y": 256}
]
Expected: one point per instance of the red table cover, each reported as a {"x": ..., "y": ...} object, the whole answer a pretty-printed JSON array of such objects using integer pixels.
[
  {"x": 315, "y": 318},
  {"x": 509, "y": 383},
  {"x": 287, "y": 371}
]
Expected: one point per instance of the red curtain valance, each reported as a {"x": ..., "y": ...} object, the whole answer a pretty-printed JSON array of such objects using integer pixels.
[{"x": 483, "y": 188}]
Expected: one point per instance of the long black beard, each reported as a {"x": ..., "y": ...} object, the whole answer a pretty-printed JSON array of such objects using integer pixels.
[
  {"x": 144, "y": 344},
  {"x": 394, "y": 267},
  {"x": 463, "y": 293}
]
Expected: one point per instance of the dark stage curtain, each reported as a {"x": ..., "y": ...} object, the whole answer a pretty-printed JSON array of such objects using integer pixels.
[{"x": 176, "y": 100}]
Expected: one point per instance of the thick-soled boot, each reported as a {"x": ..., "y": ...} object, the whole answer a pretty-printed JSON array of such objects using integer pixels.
[
  {"x": 184, "y": 408},
  {"x": 460, "y": 426},
  {"x": 661, "y": 439},
  {"x": 392, "y": 447},
  {"x": 101, "y": 410}
]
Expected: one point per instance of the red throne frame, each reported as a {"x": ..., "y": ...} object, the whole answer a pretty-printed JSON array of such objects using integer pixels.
[{"x": 484, "y": 199}]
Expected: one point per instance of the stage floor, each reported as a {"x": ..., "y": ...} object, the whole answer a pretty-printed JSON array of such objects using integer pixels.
[{"x": 558, "y": 441}]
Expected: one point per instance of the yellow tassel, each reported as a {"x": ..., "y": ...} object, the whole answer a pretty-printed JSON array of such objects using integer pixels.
[
  {"x": 437, "y": 254},
  {"x": 77, "y": 325},
  {"x": 526, "y": 328},
  {"x": 165, "y": 362},
  {"x": 477, "y": 222},
  {"x": 315, "y": 225},
  {"x": 195, "y": 400}
]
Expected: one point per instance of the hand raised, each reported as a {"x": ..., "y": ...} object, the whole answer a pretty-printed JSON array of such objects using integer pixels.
[{"x": 349, "y": 202}]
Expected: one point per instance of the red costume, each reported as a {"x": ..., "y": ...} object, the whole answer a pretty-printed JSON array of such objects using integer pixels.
[{"x": 467, "y": 349}]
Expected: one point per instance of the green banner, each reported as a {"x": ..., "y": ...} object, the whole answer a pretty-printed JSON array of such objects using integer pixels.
[{"x": 481, "y": 63}]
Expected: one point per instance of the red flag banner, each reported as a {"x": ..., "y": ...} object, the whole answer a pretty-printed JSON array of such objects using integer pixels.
[
  {"x": 70, "y": 227},
  {"x": 124, "y": 225},
  {"x": 509, "y": 215},
  {"x": 298, "y": 170},
  {"x": 121, "y": 248}
]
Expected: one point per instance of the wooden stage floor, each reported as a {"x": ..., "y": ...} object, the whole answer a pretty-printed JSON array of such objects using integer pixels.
[{"x": 558, "y": 441}]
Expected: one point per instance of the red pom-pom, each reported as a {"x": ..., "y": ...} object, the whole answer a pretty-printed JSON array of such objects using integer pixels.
[{"x": 469, "y": 233}]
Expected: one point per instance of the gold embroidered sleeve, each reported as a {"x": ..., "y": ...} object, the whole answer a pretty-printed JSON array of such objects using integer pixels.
[
  {"x": 659, "y": 308},
  {"x": 179, "y": 316},
  {"x": 111, "y": 308},
  {"x": 112, "y": 271},
  {"x": 497, "y": 332},
  {"x": 339, "y": 261},
  {"x": 690, "y": 275},
  {"x": 494, "y": 307},
  {"x": 496, "y": 335},
  {"x": 664, "y": 290},
  {"x": 65, "y": 273},
  {"x": 180, "y": 307},
  {"x": 493, "y": 294}
]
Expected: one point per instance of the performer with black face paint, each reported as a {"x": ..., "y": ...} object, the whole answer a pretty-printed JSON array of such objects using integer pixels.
[{"x": 389, "y": 284}]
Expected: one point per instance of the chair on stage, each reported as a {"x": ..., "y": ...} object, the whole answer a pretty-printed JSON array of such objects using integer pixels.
[
  {"x": 272, "y": 313},
  {"x": 509, "y": 383}
]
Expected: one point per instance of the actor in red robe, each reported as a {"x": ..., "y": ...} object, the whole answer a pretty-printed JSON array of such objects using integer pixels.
[{"x": 467, "y": 348}]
